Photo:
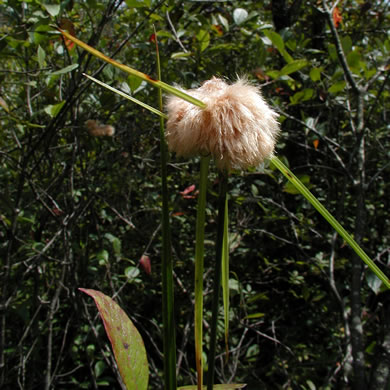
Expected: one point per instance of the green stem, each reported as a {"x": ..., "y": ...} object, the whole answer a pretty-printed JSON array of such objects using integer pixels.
[
  {"x": 329, "y": 217},
  {"x": 199, "y": 265},
  {"x": 217, "y": 277},
  {"x": 225, "y": 277},
  {"x": 167, "y": 266}
]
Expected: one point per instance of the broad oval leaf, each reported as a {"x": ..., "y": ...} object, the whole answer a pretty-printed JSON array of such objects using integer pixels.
[
  {"x": 240, "y": 15},
  {"x": 52, "y": 9},
  {"x": 337, "y": 86},
  {"x": 204, "y": 39},
  {"x": 127, "y": 344},
  {"x": 293, "y": 66}
]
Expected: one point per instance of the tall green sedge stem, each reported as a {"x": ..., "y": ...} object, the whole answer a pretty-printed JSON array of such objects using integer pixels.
[
  {"x": 167, "y": 266},
  {"x": 199, "y": 262},
  {"x": 335, "y": 224},
  {"x": 225, "y": 277},
  {"x": 223, "y": 177}
]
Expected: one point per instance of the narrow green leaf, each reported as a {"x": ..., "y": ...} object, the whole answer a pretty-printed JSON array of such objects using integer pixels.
[
  {"x": 67, "y": 69},
  {"x": 255, "y": 315},
  {"x": 134, "y": 100},
  {"x": 329, "y": 217},
  {"x": 41, "y": 55},
  {"x": 156, "y": 83},
  {"x": 126, "y": 342},
  {"x": 224, "y": 22},
  {"x": 181, "y": 55}
]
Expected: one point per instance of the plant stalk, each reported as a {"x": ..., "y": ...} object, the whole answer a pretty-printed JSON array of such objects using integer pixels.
[
  {"x": 169, "y": 334},
  {"x": 199, "y": 266},
  {"x": 223, "y": 177}
]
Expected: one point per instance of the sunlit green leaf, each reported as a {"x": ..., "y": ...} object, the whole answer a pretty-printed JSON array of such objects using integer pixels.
[
  {"x": 52, "y": 9},
  {"x": 293, "y": 66},
  {"x": 132, "y": 272},
  {"x": 278, "y": 42},
  {"x": 240, "y": 15},
  {"x": 41, "y": 56},
  {"x": 315, "y": 74},
  {"x": 54, "y": 109},
  {"x": 337, "y": 87},
  {"x": 203, "y": 37}
]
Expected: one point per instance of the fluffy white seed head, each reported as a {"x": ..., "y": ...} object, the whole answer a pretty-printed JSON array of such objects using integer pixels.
[{"x": 237, "y": 127}]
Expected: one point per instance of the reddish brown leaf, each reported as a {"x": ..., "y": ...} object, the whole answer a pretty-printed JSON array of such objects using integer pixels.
[
  {"x": 66, "y": 24},
  {"x": 127, "y": 344},
  {"x": 337, "y": 18},
  {"x": 146, "y": 264}
]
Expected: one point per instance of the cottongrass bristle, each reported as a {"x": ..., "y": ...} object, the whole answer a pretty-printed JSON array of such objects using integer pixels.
[{"x": 237, "y": 127}]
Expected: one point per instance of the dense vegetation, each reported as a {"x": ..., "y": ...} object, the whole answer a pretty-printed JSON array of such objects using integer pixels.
[{"x": 78, "y": 210}]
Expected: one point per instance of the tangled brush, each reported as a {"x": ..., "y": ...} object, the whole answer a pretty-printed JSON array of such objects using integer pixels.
[{"x": 237, "y": 127}]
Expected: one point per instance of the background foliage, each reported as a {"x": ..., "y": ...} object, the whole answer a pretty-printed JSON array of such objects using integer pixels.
[{"x": 80, "y": 211}]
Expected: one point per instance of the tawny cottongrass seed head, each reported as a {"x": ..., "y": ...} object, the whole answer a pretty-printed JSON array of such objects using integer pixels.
[{"x": 237, "y": 127}]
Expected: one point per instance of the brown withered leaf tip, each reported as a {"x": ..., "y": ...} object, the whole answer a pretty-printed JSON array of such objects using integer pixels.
[
  {"x": 98, "y": 130},
  {"x": 238, "y": 128}
]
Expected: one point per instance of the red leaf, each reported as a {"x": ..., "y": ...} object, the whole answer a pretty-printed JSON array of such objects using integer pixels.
[
  {"x": 146, "y": 264},
  {"x": 177, "y": 214},
  {"x": 337, "y": 18},
  {"x": 218, "y": 29},
  {"x": 57, "y": 211},
  {"x": 67, "y": 24},
  {"x": 188, "y": 190},
  {"x": 152, "y": 38}
]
